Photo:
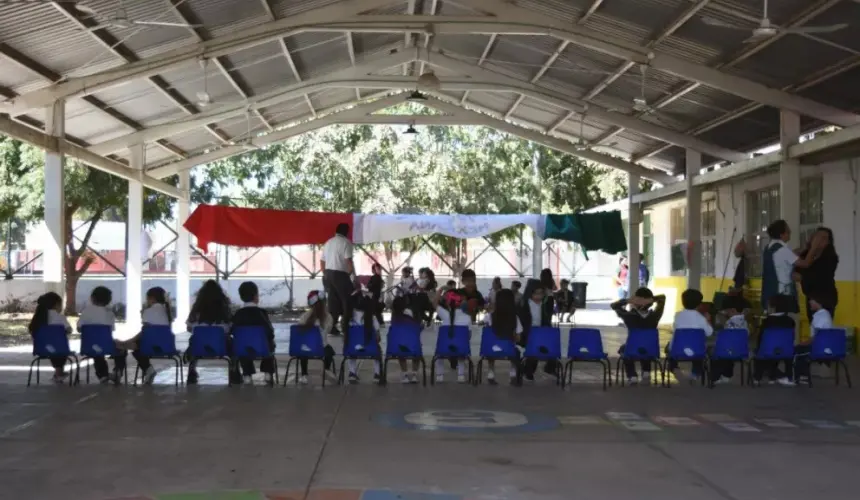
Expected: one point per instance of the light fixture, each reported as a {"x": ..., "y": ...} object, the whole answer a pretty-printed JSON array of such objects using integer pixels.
[
  {"x": 411, "y": 131},
  {"x": 429, "y": 80},
  {"x": 416, "y": 96}
]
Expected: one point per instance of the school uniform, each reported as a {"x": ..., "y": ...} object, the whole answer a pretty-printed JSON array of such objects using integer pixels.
[
  {"x": 155, "y": 315},
  {"x": 775, "y": 320},
  {"x": 55, "y": 319},
  {"x": 821, "y": 319},
  {"x": 638, "y": 320},
  {"x": 369, "y": 337},
  {"x": 689, "y": 319},
  {"x": 253, "y": 315},
  {"x": 532, "y": 314},
  {"x": 100, "y": 315},
  {"x": 192, "y": 323},
  {"x": 726, "y": 369},
  {"x": 375, "y": 286},
  {"x": 518, "y": 331},
  {"x": 325, "y": 327}
]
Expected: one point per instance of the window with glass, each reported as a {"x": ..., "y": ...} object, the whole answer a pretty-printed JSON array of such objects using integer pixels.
[
  {"x": 811, "y": 209},
  {"x": 709, "y": 238},
  {"x": 648, "y": 242},
  {"x": 762, "y": 209}
]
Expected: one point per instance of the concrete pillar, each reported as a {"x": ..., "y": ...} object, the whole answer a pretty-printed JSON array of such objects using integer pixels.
[
  {"x": 537, "y": 255},
  {"x": 183, "y": 251},
  {"x": 55, "y": 204},
  {"x": 694, "y": 221},
  {"x": 789, "y": 174},
  {"x": 634, "y": 217},
  {"x": 133, "y": 251}
]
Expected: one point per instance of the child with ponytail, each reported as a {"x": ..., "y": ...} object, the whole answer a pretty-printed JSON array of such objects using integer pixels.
[
  {"x": 363, "y": 309},
  {"x": 156, "y": 312},
  {"x": 49, "y": 311}
]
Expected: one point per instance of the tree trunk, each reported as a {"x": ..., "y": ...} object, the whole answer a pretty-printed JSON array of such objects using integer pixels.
[{"x": 71, "y": 308}]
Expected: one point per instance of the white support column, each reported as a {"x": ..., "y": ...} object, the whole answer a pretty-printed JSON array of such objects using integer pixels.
[
  {"x": 634, "y": 217},
  {"x": 134, "y": 257},
  {"x": 694, "y": 221},
  {"x": 789, "y": 173},
  {"x": 537, "y": 242},
  {"x": 183, "y": 251},
  {"x": 55, "y": 204}
]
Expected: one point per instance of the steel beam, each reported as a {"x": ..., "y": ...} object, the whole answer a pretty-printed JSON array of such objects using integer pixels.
[
  {"x": 557, "y": 99},
  {"x": 345, "y": 77},
  {"x": 408, "y": 41},
  {"x": 303, "y": 125},
  {"x": 490, "y": 43},
  {"x": 434, "y": 6}
]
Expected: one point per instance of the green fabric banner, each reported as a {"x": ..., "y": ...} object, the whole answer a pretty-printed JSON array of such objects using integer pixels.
[{"x": 592, "y": 231}]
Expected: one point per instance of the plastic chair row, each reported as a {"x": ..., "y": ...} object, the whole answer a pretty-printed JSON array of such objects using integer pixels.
[{"x": 155, "y": 342}]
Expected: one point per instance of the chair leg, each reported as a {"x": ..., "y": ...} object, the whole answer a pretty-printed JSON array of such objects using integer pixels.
[
  {"x": 607, "y": 373},
  {"x": 287, "y": 373},
  {"x": 340, "y": 376},
  {"x": 618, "y": 372},
  {"x": 30, "y": 375},
  {"x": 423, "y": 369},
  {"x": 76, "y": 365},
  {"x": 88, "y": 372},
  {"x": 433, "y": 371},
  {"x": 567, "y": 373},
  {"x": 479, "y": 373}
]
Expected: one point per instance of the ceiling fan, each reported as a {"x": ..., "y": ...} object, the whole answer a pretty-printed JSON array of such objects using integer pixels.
[
  {"x": 247, "y": 143},
  {"x": 767, "y": 30},
  {"x": 584, "y": 145},
  {"x": 119, "y": 19}
]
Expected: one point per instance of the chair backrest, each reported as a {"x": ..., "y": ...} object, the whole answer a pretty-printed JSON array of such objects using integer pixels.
[
  {"x": 357, "y": 346},
  {"x": 829, "y": 343},
  {"x": 306, "y": 342},
  {"x": 250, "y": 342},
  {"x": 453, "y": 342},
  {"x": 50, "y": 341},
  {"x": 642, "y": 343},
  {"x": 494, "y": 347},
  {"x": 544, "y": 342},
  {"x": 157, "y": 341},
  {"x": 688, "y": 343},
  {"x": 208, "y": 342},
  {"x": 404, "y": 340},
  {"x": 585, "y": 343},
  {"x": 97, "y": 340},
  {"x": 776, "y": 343},
  {"x": 732, "y": 344}
]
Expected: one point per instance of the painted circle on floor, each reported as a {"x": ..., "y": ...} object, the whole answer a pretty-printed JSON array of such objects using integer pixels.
[{"x": 468, "y": 421}]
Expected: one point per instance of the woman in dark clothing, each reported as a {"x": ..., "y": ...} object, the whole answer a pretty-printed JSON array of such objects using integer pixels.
[{"x": 819, "y": 279}]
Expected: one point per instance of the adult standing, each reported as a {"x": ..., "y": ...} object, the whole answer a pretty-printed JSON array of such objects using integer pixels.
[
  {"x": 338, "y": 275},
  {"x": 375, "y": 286},
  {"x": 779, "y": 262},
  {"x": 819, "y": 279},
  {"x": 622, "y": 280}
]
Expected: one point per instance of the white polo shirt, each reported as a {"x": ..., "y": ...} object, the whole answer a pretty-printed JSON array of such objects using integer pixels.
[
  {"x": 335, "y": 253},
  {"x": 783, "y": 263},
  {"x": 820, "y": 320}
]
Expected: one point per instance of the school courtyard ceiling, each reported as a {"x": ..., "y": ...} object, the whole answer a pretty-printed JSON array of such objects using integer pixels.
[{"x": 630, "y": 83}]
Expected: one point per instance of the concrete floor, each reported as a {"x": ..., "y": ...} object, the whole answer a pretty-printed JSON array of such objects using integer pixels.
[{"x": 437, "y": 443}]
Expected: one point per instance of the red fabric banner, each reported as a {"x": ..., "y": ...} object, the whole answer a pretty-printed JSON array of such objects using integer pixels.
[{"x": 256, "y": 227}]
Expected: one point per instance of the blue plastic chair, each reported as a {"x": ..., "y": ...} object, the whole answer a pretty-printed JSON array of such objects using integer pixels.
[
  {"x": 51, "y": 341},
  {"x": 403, "y": 342},
  {"x": 544, "y": 344},
  {"x": 453, "y": 343},
  {"x": 305, "y": 343},
  {"x": 210, "y": 342},
  {"x": 829, "y": 346},
  {"x": 732, "y": 346},
  {"x": 643, "y": 344},
  {"x": 97, "y": 340},
  {"x": 777, "y": 344},
  {"x": 497, "y": 349},
  {"x": 586, "y": 345},
  {"x": 688, "y": 345},
  {"x": 158, "y": 342},
  {"x": 356, "y": 347},
  {"x": 251, "y": 342}
]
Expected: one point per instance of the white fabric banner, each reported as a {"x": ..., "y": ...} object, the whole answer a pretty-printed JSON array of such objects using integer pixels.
[{"x": 373, "y": 228}]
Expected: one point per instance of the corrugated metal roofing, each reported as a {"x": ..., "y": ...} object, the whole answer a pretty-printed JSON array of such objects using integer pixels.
[{"x": 45, "y": 34}]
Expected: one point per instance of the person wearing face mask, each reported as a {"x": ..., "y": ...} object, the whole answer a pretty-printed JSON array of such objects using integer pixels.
[
  {"x": 421, "y": 301},
  {"x": 407, "y": 283},
  {"x": 639, "y": 316}
]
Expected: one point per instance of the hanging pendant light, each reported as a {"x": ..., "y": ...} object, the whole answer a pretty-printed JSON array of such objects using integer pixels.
[
  {"x": 416, "y": 96},
  {"x": 429, "y": 80}
]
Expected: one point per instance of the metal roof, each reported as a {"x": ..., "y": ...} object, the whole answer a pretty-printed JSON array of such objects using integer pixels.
[{"x": 45, "y": 45}]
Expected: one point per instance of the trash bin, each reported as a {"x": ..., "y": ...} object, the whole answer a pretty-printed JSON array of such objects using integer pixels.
[{"x": 579, "y": 293}]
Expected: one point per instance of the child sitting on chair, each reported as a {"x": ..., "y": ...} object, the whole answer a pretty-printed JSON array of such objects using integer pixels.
[
  {"x": 778, "y": 308},
  {"x": 453, "y": 311},
  {"x": 363, "y": 316},
  {"x": 318, "y": 316},
  {"x": 211, "y": 308},
  {"x": 564, "y": 301},
  {"x": 49, "y": 311},
  {"x": 156, "y": 312},
  {"x": 733, "y": 310},
  {"x": 821, "y": 319},
  {"x": 98, "y": 313},
  {"x": 690, "y": 318},
  {"x": 506, "y": 325},
  {"x": 534, "y": 311},
  {"x": 639, "y": 316},
  {"x": 251, "y": 314},
  {"x": 401, "y": 315}
]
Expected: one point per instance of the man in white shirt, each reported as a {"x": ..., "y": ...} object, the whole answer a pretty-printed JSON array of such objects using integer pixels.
[{"x": 338, "y": 275}]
